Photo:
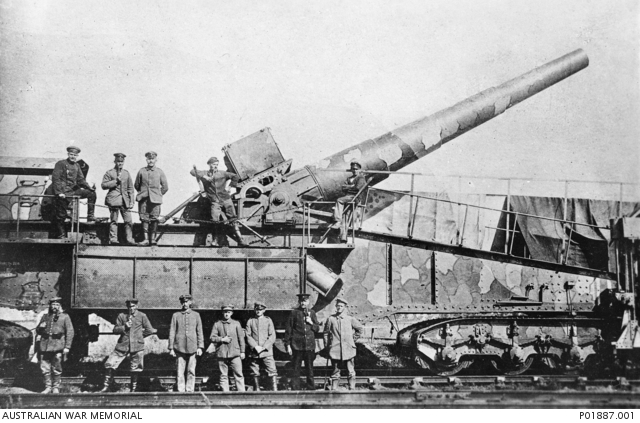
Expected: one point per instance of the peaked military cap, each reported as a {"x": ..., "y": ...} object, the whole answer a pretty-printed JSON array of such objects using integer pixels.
[
  {"x": 185, "y": 297},
  {"x": 227, "y": 307},
  {"x": 151, "y": 154},
  {"x": 55, "y": 300},
  {"x": 119, "y": 155},
  {"x": 355, "y": 163},
  {"x": 213, "y": 160},
  {"x": 259, "y": 306},
  {"x": 131, "y": 301},
  {"x": 342, "y": 301},
  {"x": 73, "y": 149},
  {"x": 303, "y": 296}
]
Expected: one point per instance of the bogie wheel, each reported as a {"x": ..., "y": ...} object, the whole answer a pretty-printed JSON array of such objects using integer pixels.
[
  {"x": 441, "y": 370},
  {"x": 512, "y": 369}
]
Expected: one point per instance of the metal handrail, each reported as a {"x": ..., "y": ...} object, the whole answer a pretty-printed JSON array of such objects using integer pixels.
[{"x": 75, "y": 219}]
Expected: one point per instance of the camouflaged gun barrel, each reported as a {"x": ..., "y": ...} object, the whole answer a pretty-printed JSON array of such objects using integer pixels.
[{"x": 397, "y": 149}]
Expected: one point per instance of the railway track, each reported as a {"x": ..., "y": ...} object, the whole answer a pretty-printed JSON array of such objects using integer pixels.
[
  {"x": 327, "y": 399},
  {"x": 380, "y": 381}
]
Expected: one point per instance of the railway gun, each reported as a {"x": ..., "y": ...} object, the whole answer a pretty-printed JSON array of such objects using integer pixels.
[{"x": 293, "y": 248}]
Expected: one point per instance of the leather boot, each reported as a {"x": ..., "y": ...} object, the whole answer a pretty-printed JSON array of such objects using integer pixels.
[
  {"x": 238, "y": 236},
  {"x": 352, "y": 383},
  {"x": 61, "y": 232},
  {"x": 335, "y": 385},
  {"x": 91, "y": 209},
  {"x": 153, "y": 227},
  {"x": 274, "y": 383},
  {"x": 145, "y": 234},
  {"x": 107, "y": 380},
  {"x": 134, "y": 382},
  {"x": 256, "y": 383},
  {"x": 129, "y": 235},
  {"x": 47, "y": 384},
  {"x": 55, "y": 383}
]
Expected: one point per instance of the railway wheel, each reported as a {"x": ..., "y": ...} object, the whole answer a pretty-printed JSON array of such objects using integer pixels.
[
  {"x": 512, "y": 369},
  {"x": 440, "y": 369}
]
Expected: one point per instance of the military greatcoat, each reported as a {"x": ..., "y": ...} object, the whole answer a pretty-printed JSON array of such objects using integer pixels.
[{"x": 339, "y": 336}]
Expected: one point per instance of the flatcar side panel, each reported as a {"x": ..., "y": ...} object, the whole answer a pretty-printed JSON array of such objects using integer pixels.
[
  {"x": 273, "y": 283},
  {"x": 103, "y": 282},
  {"x": 160, "y": 282},
  {"x": 218, "y": 282}
]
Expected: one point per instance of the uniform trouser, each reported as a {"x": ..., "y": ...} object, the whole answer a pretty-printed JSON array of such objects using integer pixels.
[
  {"x": 268, "y": 362},
  {"x": 341, "y": 203},
  {"x": 61, "y": 206},
  {"x": 148, "y": 210},
  {"x": 236, "y": 367},
  {"x": 116, "y": 357},
  {"x": 308, "y": 357},
  {"x": 51, "y": 364},
  {"x": 186, "y": 362},
  {"x": 335, "y": 373},
  {"x": 113, "y": 226},
  {"x": 226, "y": 207}
]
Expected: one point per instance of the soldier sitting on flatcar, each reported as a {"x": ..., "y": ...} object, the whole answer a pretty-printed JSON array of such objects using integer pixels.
[
  {"x": 352, "y": 186},
  {"x": 68, "y": 181},
  {"x": 132, "y": 327},
  {"x": 56, "y": 335}
]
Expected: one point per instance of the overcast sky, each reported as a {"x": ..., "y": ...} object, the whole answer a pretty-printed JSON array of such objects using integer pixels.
[{"x": 184, "y": 78}]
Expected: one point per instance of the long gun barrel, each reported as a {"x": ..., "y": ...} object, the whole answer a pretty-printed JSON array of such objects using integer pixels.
[{"x": 397, "y": 149}]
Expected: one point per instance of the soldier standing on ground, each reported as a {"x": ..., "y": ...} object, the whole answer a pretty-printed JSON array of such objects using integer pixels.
[
  {"x": 300, "y": 341},
  {"x": 186, "y": 342},
  {"x": 228, "y": 336},
  {"x": 261, "y": 335},
  {"x": 68, "y": 181},
  {"x": 213, "y": 184},
  {"x": 132, "y": 327},
  {"x": 340, "y": 342},
  {"x": 119, "y": 199},
  {"x": 56, "y": 335},
  {"x": 151, "y": 184}
]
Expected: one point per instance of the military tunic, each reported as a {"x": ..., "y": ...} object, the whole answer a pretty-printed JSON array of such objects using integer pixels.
[
  {"x": 119, "y": 195},
  {"x": 132, "y": 340},
  {"x": 185, "y": 334},
  {"x": 299, "y": 334},
  {"x": 57, "y": 334},
  {"x": 339, "y": 336}
]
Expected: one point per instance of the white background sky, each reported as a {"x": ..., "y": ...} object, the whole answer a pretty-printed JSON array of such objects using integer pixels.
[{"x": 184, "y": 78}]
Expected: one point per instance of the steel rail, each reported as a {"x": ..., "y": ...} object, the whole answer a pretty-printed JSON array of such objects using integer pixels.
[{"x": 329, "y": 399}]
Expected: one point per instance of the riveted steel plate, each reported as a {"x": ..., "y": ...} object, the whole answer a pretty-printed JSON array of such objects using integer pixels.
[
  {"x": 103, "y": 282},
  {"x": 218, "y": 282},
  {"x": 160, "y": 282},
  {"x": 274, "y": 283}
]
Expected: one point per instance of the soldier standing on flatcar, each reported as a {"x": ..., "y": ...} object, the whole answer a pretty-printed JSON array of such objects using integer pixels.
[
  {"x": 214, "y": 184},
  {"x": 186, "y": 342},
  {"x": 67, "y": 181},
  {"x": 56, "y": 335},
  {"x": 151, "y": 184},
  {"x": 261, "y": 335},
  {"x": 119, "y": 199},
  {"x": 340, "y": 342},
  {"x": 132, "y": 327},
  {"x": 300, "y": 341},
  {"x": 228, "y": 337}
]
